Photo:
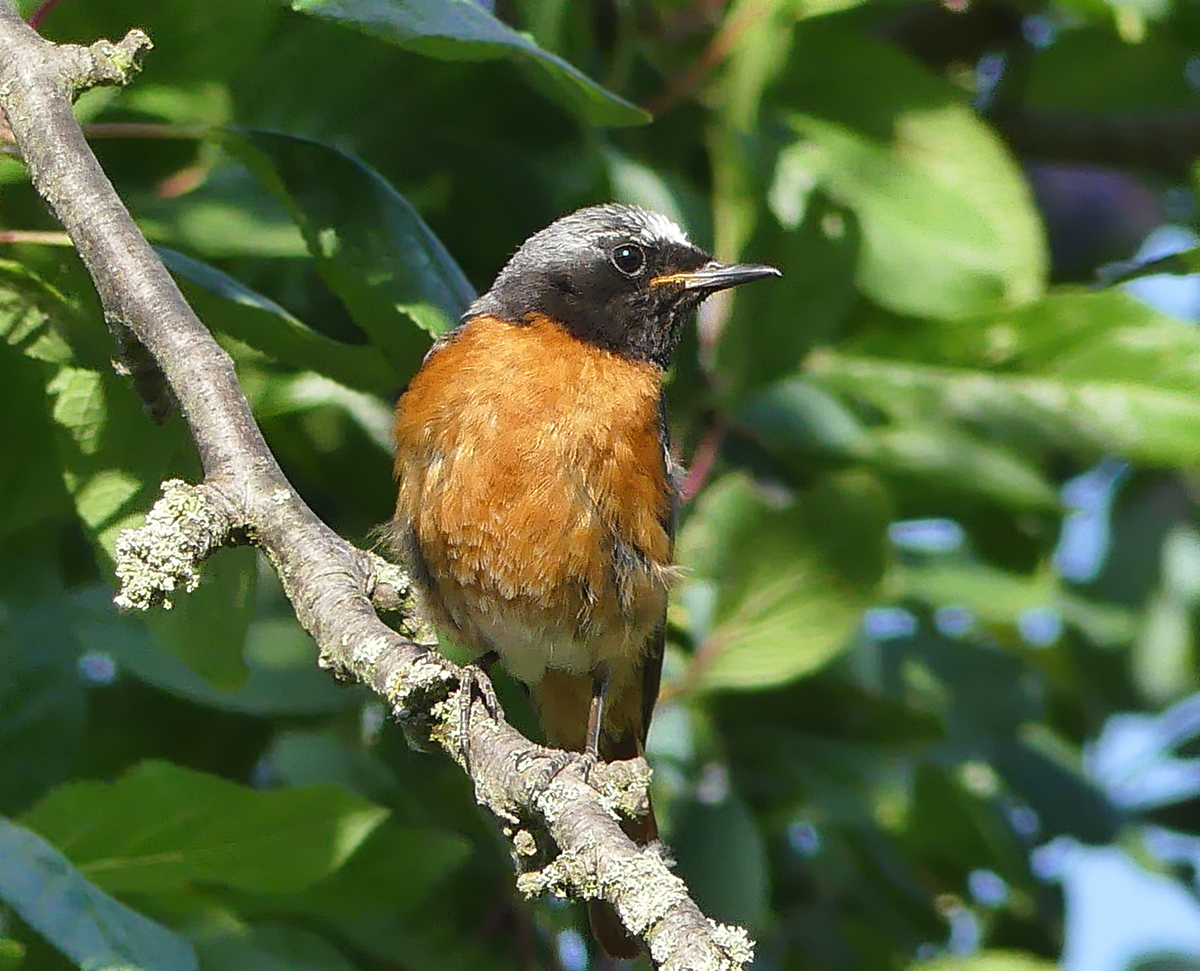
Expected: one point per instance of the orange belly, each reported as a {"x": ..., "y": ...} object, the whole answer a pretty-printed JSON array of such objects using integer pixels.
[{"x": 533, "y": 497}]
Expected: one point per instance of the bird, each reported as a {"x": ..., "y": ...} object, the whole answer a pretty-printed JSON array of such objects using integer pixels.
[{"x": 537, "y": 493}]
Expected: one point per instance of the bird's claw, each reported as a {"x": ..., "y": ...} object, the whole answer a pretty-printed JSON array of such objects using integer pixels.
[{"x": 475, "y": 684}]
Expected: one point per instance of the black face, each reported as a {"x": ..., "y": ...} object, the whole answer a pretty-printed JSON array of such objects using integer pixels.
[{"x": 621, "y": 277}]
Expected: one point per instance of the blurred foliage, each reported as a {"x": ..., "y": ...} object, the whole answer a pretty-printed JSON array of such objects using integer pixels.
[{"x": 944, "y": 552}]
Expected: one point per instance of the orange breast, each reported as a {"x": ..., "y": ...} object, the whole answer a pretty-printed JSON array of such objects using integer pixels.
[{"x": 532, "y": 476}]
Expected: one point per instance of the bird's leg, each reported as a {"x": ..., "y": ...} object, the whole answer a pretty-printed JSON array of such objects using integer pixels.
[
  {"x": 473, "y": 684},
  {"x": 591, "y": 742},
  {"x": 591, "y": 749},
  {"x": 600, "y": 681}
]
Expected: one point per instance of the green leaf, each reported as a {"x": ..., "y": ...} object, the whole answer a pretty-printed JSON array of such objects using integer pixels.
[
  {"x": 31, "y": 487},
  {"x": 1146, "y": 423},
  {"x": 12, "y": 953},
  {"x": 43, "y": 708},
  {"x": 989, "y": 961},
  {"x": 1186, "y": 263},
  {"x": 796, "y": 422},
  {"x": 206, "y": 629},
  {"x": 161, "y": 827},
  {"x": 1055, "y": 786},
  {"x": 207, "y": 41},
  {"x": 229, "y": 307},
  {"x": 275, "y": 690},
  {"x": 35, "y": 323},
  {"x": 721, "y": 857},
  {"x": 269, "y": 947},
  {"x": 114, "y": 457},
  {"x": 397, "y": 868},
  {"x": 1071, "y": 332},
  {"x": 457, "y": 30},
  {"x": 948, "y": 223},
  {"x": 785, "y": 606},
  {"x": 1149, "y": 74},
  {"x": 34, "y": 317},
  {"x": 229, "y": 215},
  {"x": 777, "y": 322},
  {"x": 996, "y": 596},
  {"x": 84, "y": 923},
  {"x": 370, "y": 245}
]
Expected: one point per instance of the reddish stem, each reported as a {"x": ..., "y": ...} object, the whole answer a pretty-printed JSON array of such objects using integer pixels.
[
  {"x": 722, "y": 44},
  {"x": 703, "y": 461},
  {"x": 38, "y": 16}
]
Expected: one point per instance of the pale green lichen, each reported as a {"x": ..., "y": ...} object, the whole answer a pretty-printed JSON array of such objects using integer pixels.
[
  {"x": 165, "y": 553},
  {"x": 734, "y": 943}
]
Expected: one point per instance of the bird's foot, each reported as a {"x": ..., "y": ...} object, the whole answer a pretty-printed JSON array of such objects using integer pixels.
[
  {"x": 476, "y": 684},
  {"x": 559, "y": 761}
]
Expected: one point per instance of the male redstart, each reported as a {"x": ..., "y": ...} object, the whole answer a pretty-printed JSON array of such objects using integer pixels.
[{"x": 537, "y": 493}]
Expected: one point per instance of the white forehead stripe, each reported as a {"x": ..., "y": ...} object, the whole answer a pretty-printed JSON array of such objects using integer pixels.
[{"x": 659, "y": 228}]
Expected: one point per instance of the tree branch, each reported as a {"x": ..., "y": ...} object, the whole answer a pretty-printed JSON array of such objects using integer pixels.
[{"x": 563, "y": 824}]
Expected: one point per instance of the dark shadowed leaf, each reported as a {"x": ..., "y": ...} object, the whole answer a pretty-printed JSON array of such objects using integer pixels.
[
  {"x": 229, "y": 307},
  {"x": 206, "y": 629},
  {"x": 81, "y": 921},
  {"x": 722, "y": 858},
  {"x": 395, "y": 869},
  {"x": 294, "y": 690},
  {"x": 269, "y": 947},
  {"x": 370, "y": 245},
  {"x": 31, "y": 486},
  {"x": 1066, "y": 801},
  {"x": 457, "y": 30},
  {"x": 43, "y": 708}
]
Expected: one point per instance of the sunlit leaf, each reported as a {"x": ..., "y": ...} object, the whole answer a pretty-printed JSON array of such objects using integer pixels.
[
  {"x": 161, "y": 827},
  {"x": 948, "y": 224},
  {"x": 1089, "y": 416},
  {"x": 989, "y": 961},
  {"x": 783, "y": 609}
]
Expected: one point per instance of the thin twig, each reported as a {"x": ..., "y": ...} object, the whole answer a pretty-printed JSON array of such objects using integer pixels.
[
  {"x": 36, "y": 236},
  {"x": 719, "y": 48}
]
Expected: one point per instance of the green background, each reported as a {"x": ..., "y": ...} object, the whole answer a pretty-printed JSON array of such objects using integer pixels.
[{"x": 900, "y": 725}]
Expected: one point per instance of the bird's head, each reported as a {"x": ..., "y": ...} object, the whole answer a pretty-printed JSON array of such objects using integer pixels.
[{"x": 621, "y": 277}]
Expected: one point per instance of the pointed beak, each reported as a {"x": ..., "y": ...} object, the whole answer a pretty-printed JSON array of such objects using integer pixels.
[{"x": 714, "y": 276}]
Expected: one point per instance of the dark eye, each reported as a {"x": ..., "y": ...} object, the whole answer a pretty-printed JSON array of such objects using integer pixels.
[{"x": 629, "y": 258}]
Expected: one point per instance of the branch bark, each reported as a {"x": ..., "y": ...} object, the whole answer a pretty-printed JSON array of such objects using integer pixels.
[{"x": 563, "y": 824}]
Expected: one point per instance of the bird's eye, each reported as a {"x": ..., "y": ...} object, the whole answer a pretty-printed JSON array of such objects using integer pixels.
[{"x": 629, "y": 258}]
